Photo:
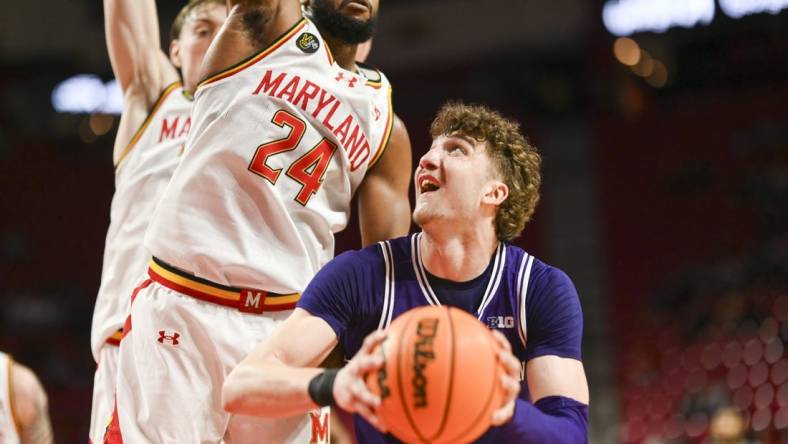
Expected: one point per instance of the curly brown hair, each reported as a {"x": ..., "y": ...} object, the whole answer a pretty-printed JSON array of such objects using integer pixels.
[
  {"x": 177, "y": 24},
  {"x": 512, "y": 155}
]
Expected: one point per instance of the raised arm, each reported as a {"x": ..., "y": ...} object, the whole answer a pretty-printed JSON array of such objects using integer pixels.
[
  {"x": 30, "y": 407},
  {"x": 383, "y": 204},
  {"x": 251, "y": 26},
  {"x": 134, "y": 46}
]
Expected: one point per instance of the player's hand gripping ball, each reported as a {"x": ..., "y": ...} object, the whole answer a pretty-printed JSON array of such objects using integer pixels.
[{"x": 440, "y": 381}]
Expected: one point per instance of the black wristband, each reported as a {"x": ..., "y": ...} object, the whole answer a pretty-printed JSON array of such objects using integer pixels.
[{"x": 321, "y": 387}]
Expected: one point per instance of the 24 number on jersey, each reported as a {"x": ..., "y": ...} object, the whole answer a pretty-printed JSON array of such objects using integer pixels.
[{"x": 308, "y": 170}]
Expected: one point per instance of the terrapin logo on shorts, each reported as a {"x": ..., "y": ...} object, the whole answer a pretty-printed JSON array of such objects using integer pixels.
[{"x": 308, "y": 43}]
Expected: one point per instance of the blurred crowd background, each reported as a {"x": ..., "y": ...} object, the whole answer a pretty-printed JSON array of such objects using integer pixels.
[{"x": 663, "y": 125}]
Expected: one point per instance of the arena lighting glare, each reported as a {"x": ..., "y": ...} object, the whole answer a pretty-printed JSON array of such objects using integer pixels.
[
  {"x": 740, "y": 8},
  {"x": 625, "y": 17},
  {"x": 87, "y": 93}
]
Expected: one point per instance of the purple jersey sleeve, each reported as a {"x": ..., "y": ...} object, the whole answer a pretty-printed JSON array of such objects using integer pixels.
[
  {"x": 553, "y": 315},
  {"x": 343, "y": 290}
]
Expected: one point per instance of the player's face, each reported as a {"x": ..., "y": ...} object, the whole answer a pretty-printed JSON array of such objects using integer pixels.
[
  {"x": 455, "y": 182},
  {"x": 352, "y": 21},
  {"x": 196, "y": 35}
]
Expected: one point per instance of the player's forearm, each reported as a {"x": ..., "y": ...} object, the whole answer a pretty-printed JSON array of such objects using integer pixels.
[
  {"x": 271, "y": 391},
  {"x": 40, "y": 431},
  {"x": 132, "y": 34},
  {"x": 552, "y": 420}
]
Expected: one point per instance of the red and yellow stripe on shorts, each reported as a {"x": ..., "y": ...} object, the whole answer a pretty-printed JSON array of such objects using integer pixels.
[{"x": 247, "y": 300}]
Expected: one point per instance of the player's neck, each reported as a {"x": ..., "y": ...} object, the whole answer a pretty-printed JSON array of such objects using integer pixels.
[
  {"x": 456, "y": 256},
  {"x": 344, "y": 53}
]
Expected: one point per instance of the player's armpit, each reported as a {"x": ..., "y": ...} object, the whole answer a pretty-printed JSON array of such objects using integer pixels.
[
  {"x": 273, "y": 380},
  {"x": 383, "y": 204},
  {"x": 31, "y": 407},
  {"x": 555, "y": 376},
  {"x": 251, "y": 27}
]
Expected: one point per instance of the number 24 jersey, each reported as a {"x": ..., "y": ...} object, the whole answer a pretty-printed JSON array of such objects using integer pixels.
[{"x": 278, "y": 146}]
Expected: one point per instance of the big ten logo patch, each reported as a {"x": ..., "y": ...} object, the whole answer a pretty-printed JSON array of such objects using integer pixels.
[
  {"x": 308, "y": 43},
  {"x": 174, "y": 127},
  {"x": 500, "y": 322},
  {"x": 321, "y": 426}
]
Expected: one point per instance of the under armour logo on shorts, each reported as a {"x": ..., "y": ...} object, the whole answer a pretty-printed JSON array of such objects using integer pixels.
[{"x": 173, "y": 338}]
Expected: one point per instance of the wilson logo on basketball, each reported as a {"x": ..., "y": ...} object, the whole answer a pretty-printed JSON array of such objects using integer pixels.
[
  {"x": 173, "y": 338},
  {"x": 423, "y": 354}
]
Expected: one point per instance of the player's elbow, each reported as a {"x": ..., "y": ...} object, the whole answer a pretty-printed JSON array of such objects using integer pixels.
[
  {"x": 232, "y": 393},
  {"x": 243, "y": 392}
]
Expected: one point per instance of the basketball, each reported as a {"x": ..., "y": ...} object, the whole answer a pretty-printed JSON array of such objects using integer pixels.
[{"x": 440, "y": 381}]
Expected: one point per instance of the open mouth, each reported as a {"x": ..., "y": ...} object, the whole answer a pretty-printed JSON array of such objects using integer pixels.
[{"x": 428, "y": 184}]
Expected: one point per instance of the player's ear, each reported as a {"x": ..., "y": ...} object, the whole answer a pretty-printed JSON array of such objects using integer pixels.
[
  {"x": 495, "y": 192},
  {"x": 175, "y": 53}
]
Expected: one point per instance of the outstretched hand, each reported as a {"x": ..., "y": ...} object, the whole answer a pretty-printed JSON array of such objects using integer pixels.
[
  {"x": 510, "y": 380},
  {"x": 350, "y": 389}
]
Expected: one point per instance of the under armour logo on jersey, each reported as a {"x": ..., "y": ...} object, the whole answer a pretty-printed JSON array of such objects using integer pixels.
[
  {"x": 308, "y": 43},
  {"x": 173, "y": 338},
  {"x": 377, "y": 113},
  {"x": 500, "y": 322},
  {"x": 351, "y": 82}
]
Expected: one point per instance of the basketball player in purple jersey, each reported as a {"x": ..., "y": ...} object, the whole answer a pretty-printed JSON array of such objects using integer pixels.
[{"x": 476, "y": 188}]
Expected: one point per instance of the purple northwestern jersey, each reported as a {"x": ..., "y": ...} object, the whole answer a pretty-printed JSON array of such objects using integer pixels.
[{"x": 533, "y": 304}]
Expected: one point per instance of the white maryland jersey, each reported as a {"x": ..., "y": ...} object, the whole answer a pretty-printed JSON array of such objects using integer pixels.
[
  {"x": 9, "y": 431},
  {"x": 279, "y": 144},
  {"x": 142, "y": 173}
]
